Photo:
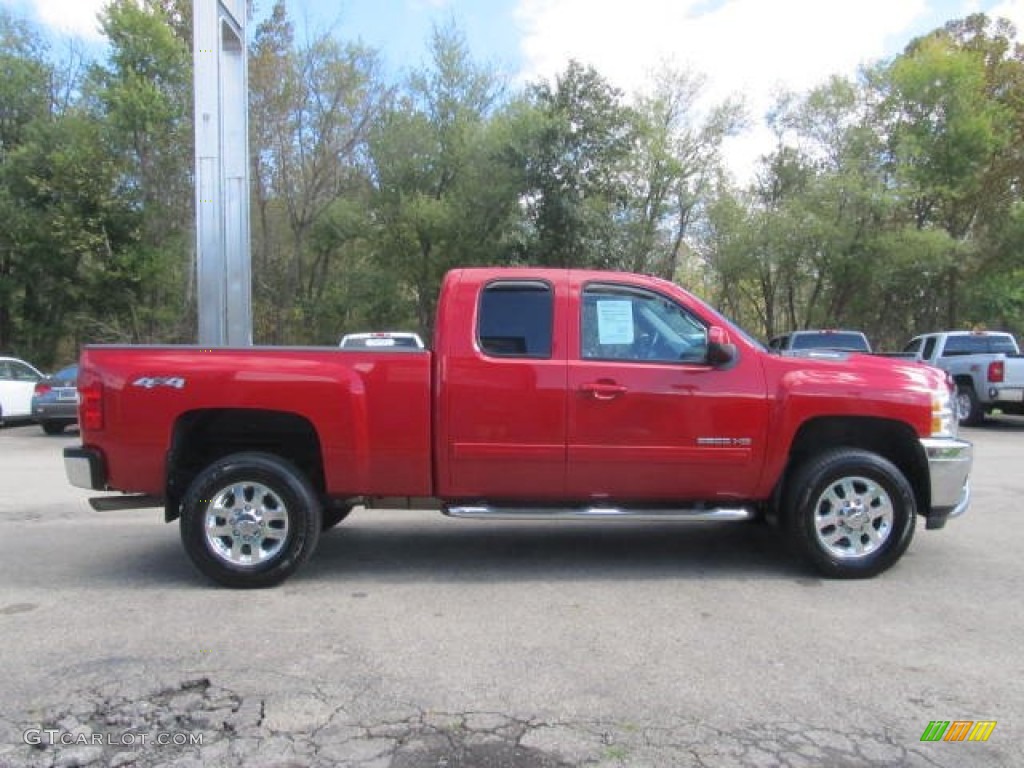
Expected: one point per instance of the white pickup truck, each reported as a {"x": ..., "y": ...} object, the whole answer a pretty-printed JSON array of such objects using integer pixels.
[{"x": 986, "y": 365}]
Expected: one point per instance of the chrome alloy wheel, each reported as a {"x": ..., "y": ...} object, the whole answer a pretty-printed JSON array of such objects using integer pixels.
[
  {"x": 853, "y": 518},
  {"x": 246, "y": 524}
]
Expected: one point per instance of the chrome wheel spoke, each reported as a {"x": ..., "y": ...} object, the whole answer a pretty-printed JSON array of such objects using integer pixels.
[
  {"x": 218, "y": 530},
  {"x": 275, "y": 534},
  {"x": 246, "y": 524},
  {"x": 854, "y": 517}
]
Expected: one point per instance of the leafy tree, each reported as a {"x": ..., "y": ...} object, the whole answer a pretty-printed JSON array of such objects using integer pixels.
[
  {"x": 675, "y": 162},
  {"x": 945, "y": 131},
  {"x": 142, "y": 98},
  {"x": 575, "y": 168},
  {"x": 313, "y": 107},
  {"x": 25, "y": 77},
  {"x": 445, "y": 194}
]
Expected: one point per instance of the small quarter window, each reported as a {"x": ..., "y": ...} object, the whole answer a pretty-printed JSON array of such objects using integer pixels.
[{"x": 516, "y": 319}]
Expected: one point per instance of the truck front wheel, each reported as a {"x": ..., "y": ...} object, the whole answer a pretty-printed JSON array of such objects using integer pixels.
[
  {"x": 249, "y": 520},
  {"x": 850, "y": 513}
]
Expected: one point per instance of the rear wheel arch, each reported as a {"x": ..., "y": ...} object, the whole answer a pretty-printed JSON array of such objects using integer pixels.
[{"x": 202, "y": 437}]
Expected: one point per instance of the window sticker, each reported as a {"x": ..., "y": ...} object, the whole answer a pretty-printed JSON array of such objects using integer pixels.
[{"x": 614, "y": 322}]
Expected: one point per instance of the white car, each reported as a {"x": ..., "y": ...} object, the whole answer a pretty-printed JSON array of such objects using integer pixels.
[
  {"x": 17, "y": 383},
  {"x": 382, "y": 340}
]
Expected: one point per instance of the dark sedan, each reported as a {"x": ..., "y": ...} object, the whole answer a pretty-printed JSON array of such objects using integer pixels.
[{"x": 55, "y": 400}]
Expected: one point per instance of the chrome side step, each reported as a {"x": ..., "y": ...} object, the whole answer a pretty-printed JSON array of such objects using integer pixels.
[
  {"x": 696, "y": 514},
  {"x": 126, "y": 501}
]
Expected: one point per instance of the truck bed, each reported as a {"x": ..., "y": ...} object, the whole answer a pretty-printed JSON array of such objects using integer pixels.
[{"x": 369, "y": 412}]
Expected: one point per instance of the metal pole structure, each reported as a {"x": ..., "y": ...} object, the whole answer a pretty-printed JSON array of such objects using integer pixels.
[{"x": 223, "y": 256}]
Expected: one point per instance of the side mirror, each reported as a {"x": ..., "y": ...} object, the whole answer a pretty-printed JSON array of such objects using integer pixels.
[{"x": 721, "y": 351}]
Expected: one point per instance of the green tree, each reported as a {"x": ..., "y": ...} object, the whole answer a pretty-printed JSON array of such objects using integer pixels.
[
  {"x": 312, "y": 109},
  {"x": 676, "y": 161},
  {"x": 575, "y": 170},
  {"x": 446, "y": 195},
  {"x": 25, "y": 77},
  {"x": 142, "y": 99},
  {"x": 946, "y": 131}
]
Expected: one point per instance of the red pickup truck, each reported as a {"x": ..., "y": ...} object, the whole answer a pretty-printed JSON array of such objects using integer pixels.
[{"x": 547, "y": 394}]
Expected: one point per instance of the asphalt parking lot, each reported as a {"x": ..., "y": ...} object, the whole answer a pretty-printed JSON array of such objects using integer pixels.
[{"x": 413, "y": 640}]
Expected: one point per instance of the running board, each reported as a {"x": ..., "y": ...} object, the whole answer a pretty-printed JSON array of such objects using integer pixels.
[
  {"x": 696, "y": 514},
  {"x": 127, "y": 501}
]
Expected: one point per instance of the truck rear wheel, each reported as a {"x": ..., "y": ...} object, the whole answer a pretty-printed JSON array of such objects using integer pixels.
[
  {"x": 969, "y": 409},
  {"x": 850, "y": 513},
  {"x": 249, "y": 520}
]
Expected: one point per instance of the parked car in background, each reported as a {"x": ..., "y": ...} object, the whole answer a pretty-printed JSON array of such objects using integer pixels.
[
  {"x": 17, "y": 382},
  {"x": 55, "y": 400},
  {"x": 986, "y": 365},
  {"x": 382, "y": 340},
  {"x": 833, "y": 340}
]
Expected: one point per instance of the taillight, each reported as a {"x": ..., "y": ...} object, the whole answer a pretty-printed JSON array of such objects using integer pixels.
[
  {"x": 996, "y": 371},
  {"x": 90, "y": 406},
  {"x": 41, "y": 389}
]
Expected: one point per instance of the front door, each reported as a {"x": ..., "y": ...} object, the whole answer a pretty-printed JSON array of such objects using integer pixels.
[{"x": 649, "y": 417}]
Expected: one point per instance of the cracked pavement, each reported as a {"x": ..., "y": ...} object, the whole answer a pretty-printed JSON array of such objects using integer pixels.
[
  {"x": 226, "y": 729},
  {"x": 413, "y": 641}
]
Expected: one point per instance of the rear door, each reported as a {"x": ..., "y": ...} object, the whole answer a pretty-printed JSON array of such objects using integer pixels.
[{"x": 504, "y": 391}]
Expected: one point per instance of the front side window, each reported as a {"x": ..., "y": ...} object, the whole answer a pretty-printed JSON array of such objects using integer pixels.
[
  {"x": 624, "y": 323},
  {"x": 912, "y": 347},
  {"x": 516, "y": 319}
]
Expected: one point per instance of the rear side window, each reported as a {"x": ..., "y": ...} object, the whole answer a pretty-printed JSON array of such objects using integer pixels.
[{"x": 516, "y": 319}]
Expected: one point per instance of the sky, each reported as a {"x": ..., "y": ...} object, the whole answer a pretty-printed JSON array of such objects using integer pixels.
[{"x": 747, "y": 48}]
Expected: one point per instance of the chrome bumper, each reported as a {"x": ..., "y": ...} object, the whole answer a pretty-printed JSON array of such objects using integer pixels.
[
  {"x": 85, "y": 469},
  {"x": 949, "y": 467}
]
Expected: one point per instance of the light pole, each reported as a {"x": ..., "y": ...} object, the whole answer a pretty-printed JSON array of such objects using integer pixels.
[{"x": 223, "y": 254}]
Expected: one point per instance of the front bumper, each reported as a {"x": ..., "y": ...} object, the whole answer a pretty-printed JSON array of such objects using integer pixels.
[
  {"x": 949, "y": 467},
  {"x": 85, "y": 468}
]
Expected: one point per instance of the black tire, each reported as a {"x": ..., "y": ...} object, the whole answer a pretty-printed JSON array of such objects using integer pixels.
[
  {"x": 970, "y": 411},
  {"x": 53, "y": 427},
  {"x": 333, "y": 514},
  {"x": 871, "y": 502},
  {"x": 249, "y": 520}
]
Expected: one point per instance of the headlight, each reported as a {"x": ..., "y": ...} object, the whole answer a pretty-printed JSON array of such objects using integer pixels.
[{"x": 944, "y": 417}]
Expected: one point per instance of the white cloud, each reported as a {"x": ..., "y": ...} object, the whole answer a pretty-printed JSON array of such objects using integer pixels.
[
  {"x": 748, "y": 45},
  {"x": 71, "y": 17},
  {"x": 744, "y": 47},
  {"x": 1012, "y": 10}
]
